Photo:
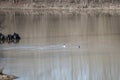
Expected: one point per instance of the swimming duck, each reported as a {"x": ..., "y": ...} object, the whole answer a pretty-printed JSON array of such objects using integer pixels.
[{"x": 2, "y": 38}]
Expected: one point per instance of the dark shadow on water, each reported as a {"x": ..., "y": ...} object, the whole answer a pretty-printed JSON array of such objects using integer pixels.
[
  {"x": 1, "y": 53},
  {"x": 2, "y": 20},
  {"x": 1, "y": 57}
]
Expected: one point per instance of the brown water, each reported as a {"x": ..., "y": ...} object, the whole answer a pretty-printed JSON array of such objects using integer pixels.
[{"x": 49, "y": 48}]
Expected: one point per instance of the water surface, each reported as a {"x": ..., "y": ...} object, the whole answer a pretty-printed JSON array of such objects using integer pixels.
[{"x": 49, "y": 48}]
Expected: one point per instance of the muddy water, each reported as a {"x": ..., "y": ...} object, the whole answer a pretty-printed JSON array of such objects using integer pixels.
[{"x": 49, "y": 48}]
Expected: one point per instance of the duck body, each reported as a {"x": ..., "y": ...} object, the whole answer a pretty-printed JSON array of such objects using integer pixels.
[
  {"x": 15, "y": 38},
  {"x": 9, "y": 38},
  {"x": 2, "y": 38}
]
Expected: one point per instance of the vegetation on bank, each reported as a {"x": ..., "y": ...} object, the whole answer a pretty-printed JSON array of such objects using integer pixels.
[
  {"x": 60, "y": 4},
  {"x": 63, "y": 1}
]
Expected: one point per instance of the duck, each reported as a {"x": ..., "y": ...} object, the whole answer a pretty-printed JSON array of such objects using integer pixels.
[
  {"x": 15, "y": 38},
  {"x": 9, "y": 38},
  {"x": 2, "y": 38}
]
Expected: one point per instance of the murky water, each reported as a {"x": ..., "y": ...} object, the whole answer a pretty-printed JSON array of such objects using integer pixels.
[{"x": 49, "y": 48}]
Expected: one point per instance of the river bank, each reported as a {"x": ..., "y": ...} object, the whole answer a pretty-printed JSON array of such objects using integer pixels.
[
  {"x": 106, "y": 8},
  {"x": 56, "y": 5}
]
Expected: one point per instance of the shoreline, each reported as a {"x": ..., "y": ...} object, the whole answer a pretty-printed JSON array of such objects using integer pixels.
[
  {"x": 100, "y": 11},
  {"x": 60, "y": 6},
  {"x": 75, "y": 8}
]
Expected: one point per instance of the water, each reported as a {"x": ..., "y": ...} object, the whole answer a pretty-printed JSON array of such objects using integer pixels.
[{"x": 49, "y": 48}]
